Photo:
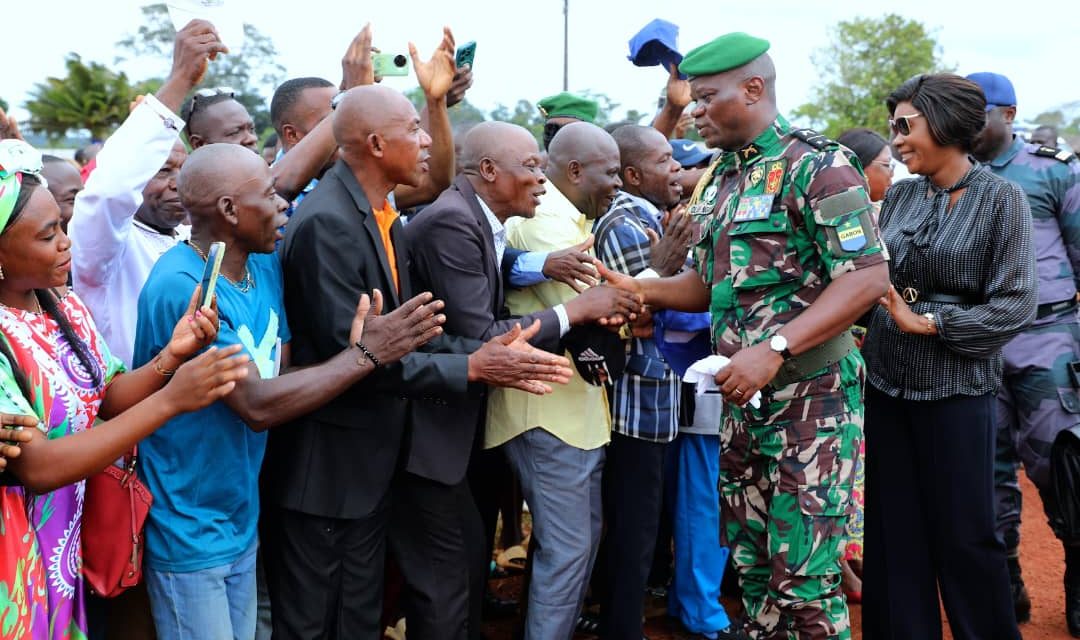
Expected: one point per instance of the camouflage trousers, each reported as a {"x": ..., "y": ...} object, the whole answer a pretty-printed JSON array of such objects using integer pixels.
[
  {"x": 785, "y": 497},
  {"x": 1035, "y": 402}
]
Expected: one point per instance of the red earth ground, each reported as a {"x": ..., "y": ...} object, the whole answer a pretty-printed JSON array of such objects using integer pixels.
[{"x": 1040, "y": 553}]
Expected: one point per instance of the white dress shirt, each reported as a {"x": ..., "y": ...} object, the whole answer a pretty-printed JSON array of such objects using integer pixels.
[{"x": 112, "y": 254}]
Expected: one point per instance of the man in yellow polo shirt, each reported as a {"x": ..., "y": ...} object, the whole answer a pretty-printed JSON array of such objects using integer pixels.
[{"x": 555, "y": 443}]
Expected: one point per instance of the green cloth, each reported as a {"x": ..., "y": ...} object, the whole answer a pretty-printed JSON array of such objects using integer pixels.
[
  {"x": 567, "y": 105},
  {"x": 722, "y": 54}
]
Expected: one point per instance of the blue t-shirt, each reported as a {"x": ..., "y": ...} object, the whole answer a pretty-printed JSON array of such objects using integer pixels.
[{"x": 203, "y": 467}]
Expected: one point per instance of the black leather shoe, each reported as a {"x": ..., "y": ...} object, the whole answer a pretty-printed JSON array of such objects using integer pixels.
[
  {"x": 496, "y": 607},
  {"x": 732, "y": 632},
  {"x": 1072, "y": 590},
  {"x": 1018, "y": 591}
]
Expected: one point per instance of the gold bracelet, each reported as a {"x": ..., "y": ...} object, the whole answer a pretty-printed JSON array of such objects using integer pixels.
[{"x": 162, "y": 370}]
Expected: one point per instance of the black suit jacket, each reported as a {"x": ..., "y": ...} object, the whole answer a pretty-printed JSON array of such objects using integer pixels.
[
  {"x": 452, "y": 254},
  {"x": 338, "y": 460}
]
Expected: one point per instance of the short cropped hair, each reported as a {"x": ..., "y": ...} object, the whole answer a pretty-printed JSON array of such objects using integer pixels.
[
  {"x": 954, "y": 107},
  {"x": 288, "y": 94}
]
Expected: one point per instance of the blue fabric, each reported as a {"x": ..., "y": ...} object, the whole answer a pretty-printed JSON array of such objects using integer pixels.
[
  {"x": 528, "y": 269},
  {"x": 694, "y": 596},
  {"x": 680, "y": 355},
  {"x": 688, "y": 153},
  {"x": 212, "y": 603},
  {"x": 203, "y": 467},
  {"x": 997, "y": 88},
  {"x": 656, "y": 44}
]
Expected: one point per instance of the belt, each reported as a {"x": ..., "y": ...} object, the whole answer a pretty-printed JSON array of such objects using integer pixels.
[
  {"x": 1051, "y": 308},
  {"x": 824, "y": 355},
  {"x": 911, "y": 295}
]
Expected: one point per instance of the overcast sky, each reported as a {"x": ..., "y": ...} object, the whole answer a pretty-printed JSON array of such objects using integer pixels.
[{"x": 519, "y": 43}]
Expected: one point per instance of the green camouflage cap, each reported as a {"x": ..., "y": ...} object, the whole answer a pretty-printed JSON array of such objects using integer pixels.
[
  {"x": 567, "y": 105},
  {"x": 722, "y": 54}
]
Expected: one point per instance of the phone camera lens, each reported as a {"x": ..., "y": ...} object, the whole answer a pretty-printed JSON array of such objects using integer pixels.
[{"x": 400, "y": 60}]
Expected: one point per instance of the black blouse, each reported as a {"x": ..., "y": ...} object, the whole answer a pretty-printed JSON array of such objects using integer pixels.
[{"x": 980, "y": 249}]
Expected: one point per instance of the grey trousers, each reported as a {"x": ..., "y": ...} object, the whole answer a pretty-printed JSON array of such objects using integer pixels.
[{"x": 561, "y": 485}]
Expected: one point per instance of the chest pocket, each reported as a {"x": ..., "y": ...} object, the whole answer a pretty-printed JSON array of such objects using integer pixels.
[{"x": 760, "y": 252}]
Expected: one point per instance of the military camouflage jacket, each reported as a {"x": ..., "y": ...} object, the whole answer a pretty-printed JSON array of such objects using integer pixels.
[{"x": 781, "y": 218}]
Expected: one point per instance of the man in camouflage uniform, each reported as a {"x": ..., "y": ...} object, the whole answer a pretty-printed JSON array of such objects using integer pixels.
[
  {"x": 789, "y": 258},
  {"x": 1037, "y": 398}
]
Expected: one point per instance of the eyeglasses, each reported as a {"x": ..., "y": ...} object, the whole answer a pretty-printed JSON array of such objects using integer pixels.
[
  {"x": 889, "y": 164},
  {"x": 210, "y": 92},
  {"x": 902, "y": 124}
]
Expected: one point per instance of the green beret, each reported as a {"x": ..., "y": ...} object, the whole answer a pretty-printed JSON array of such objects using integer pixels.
[
  {"x": 726, "y": 52},
  {"x": 567, "y": 105}
]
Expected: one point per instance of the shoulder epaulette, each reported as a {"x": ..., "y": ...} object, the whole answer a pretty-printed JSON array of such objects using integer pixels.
[
  {"x": 1062, "y": 155},
  {"x": 814, "y": 139}
]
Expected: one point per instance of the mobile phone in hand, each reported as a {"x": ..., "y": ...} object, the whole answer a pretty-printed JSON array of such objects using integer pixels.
[
  {"x": 465, "y": 54},
  {"x": 390, "y": 64},
  {"x": 210, "y": 273}
]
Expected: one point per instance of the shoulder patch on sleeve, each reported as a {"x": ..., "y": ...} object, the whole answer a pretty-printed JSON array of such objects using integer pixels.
[
  {"x": 1061, "y": 155},
  {"x": 841, "y": 204}
]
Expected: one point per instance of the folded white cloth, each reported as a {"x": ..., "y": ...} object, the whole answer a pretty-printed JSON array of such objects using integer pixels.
[{"x": 703, "y": 374}]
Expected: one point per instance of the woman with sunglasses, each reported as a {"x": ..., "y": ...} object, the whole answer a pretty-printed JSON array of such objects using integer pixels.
[
  {"x": 963, "y": 275},
  {"x": 57, "y": 378}
]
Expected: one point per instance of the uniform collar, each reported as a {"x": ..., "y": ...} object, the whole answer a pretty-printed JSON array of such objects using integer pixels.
[
  {"x": 1010, "y": 153},
  {"x": 768, "y": 143}
]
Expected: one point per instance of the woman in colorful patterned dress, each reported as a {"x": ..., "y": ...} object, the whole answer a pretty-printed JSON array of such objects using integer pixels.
[{"x": 57, "y": 377}]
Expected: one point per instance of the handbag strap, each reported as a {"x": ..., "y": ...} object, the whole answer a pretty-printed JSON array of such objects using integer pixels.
[{"x": 130, "y": 462}]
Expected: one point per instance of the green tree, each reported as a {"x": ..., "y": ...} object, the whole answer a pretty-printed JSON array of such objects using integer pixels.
[
  {"x": 90, "y": 97},
  {"x": 3, "y": 104},
  {"x": 867, "y": 59},
  {"x": 252, "y": 72},
  {"x": 525, "y": 114},
  {"x": 461, "y": 113}
]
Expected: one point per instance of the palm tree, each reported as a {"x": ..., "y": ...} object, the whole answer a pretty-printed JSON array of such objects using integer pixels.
[{"x": 91, "y": 97}]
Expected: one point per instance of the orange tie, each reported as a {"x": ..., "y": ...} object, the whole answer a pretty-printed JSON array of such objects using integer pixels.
[{"x": 385, "y": 218}]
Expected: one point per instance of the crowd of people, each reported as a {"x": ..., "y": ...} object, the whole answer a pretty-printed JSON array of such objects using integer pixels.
[{"x": 756, "y": 355}]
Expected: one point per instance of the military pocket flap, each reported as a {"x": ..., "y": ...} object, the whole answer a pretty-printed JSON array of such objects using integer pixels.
[
  {"x": 832, "y": 501},
  {"x": 1069, "y": 400},
  {"x": 837, "y": 209}
]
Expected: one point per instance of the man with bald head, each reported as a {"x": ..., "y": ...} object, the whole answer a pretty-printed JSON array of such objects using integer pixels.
[
  {"x": 456, "y": 250},
  {"x": 555, "y": 443},
  {"x": 201, "y": 537},
  {"x": 358, "y": 484}
]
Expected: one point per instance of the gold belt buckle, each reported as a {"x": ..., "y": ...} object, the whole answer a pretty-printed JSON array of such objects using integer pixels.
[{"x": 910, "y": 295}]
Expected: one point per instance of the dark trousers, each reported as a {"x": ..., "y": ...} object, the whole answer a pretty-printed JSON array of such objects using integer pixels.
[
  {"x": 930, "y": 521},
  {"x": 494, "y": 488},
  {"x": 327, "y": 581},
  {"x": 633, "y": 487}
]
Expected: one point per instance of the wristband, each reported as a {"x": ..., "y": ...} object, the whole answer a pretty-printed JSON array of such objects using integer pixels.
[
  {"x": 162, "y": 370},
  {"x": 368, "y": 354}
]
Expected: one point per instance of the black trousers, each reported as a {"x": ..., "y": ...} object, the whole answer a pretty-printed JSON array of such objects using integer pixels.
[
  {"x": 494, "y": 488},
  {"x": 930, "y": 521},
  {"x": 633, "y": 488},
  {"x": 327, "y": 578}
]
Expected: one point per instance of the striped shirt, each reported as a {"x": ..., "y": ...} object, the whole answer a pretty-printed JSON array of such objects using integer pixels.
[
  {"x": 982, "y": 250},
  {"x": 644, "y": 400}
]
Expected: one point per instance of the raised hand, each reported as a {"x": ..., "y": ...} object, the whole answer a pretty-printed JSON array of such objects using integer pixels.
[
  {"x": 510, "y": 361},
  {"x": 195, "y": 45},
  {"x": 205, "y": 379},
  {"x": 437, "y": 74},
  {"x": 9, "y": 127},
  {"x": 678, "y": 90},
  {"x": 392, "y": 336},
  {"x": 196, "y": 329},
  {"x": 462, "y": 81},
  {"x": 356, "y": 66},
  {"x": 668, "y": 253},
  {"x": 573, "y": 266},
  {"x": 15, "y": 430}
]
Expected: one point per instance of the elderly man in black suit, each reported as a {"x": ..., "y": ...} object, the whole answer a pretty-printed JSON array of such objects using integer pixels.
[
  {"x": 337, "y": 478},
  {"x": 457, "y": 248}
]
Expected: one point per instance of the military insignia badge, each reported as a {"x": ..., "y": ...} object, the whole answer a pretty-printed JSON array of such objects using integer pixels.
[
  {"x": 753, "y": 208},
  {"x": 708, "y": 197},
  {"x": 748, "y": 151},
  {"x": 756, "y": 175},
  {"x": 851, "y": 234},
  {"x": 774, "y": 177}
]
